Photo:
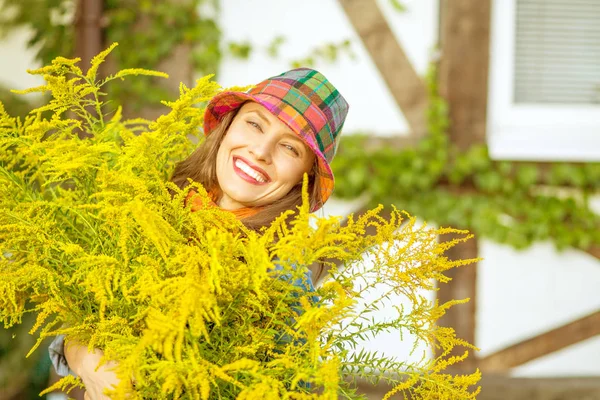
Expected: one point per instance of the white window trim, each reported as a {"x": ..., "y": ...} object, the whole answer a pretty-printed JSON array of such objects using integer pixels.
[{"x": 541, "y": 132}]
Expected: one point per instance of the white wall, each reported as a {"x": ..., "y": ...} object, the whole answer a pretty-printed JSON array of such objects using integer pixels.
[
  {"x": 520, "y": 294},
  {"x": 305, "y": 29},
  {"x": 523, "y": 294},
  {"x": 15, "y": 61}
]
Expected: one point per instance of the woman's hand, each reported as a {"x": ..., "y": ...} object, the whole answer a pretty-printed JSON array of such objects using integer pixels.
[{"x": 84, "y": 364}]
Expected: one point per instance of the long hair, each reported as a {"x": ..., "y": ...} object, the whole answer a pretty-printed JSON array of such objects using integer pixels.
[{"x": 200, "y": 167}]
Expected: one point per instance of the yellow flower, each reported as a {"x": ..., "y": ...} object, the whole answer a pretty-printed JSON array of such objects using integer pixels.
[{"x": 193, "y": 303}]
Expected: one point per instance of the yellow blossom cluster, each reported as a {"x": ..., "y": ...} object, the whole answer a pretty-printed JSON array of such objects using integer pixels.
[{"x": 102, "y": 248}]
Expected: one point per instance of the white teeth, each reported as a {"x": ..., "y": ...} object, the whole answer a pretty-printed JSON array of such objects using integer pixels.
[{"x": 249, "y": 170}]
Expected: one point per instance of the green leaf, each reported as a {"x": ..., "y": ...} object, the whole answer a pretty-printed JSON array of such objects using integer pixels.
[
  {"x": 240, "y": 50},
  {"x": 275, "y": 45},
  {"x": 398, "y": 5},
  {"x": 527, "y": 175}
]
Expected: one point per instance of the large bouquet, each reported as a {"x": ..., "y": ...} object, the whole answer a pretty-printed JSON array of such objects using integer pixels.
[{"x": 97, "y": 243}]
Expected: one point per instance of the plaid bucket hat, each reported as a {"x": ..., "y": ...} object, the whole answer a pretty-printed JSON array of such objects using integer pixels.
[{"x": 306, "y": 102}]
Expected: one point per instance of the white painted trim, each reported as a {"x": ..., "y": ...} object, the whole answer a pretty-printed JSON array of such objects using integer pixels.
[{"x": 531, "y": 131}]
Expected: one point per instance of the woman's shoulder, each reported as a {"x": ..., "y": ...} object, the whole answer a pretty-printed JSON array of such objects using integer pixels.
[{"x": 302, "y": 279}]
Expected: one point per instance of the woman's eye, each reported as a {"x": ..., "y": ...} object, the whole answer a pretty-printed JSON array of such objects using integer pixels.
[
  {"x": 292, "y": 149},
  {"x": 255, "y": 125}
]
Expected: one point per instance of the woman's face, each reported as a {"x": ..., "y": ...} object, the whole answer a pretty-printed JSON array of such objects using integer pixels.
[{"x": 260, "y": 159}]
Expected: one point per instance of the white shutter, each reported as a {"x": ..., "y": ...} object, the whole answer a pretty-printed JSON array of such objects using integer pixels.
[{"x": 557, "y": 51}]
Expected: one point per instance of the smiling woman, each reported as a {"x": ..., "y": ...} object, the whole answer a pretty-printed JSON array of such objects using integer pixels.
[
  {"x": 260, "y": 143},
  {"x": 258, "y": 146}
]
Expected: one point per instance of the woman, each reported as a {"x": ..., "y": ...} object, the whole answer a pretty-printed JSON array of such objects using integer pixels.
[{"x": 258, "y": 146}]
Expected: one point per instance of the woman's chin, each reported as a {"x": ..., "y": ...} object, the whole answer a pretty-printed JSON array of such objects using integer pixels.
[{"x": 242, "y": 201}]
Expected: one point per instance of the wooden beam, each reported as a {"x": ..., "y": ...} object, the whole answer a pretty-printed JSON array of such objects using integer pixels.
[
  {"x": 501, "y": 387},
  {"x": 541, "y": 345},
  {"x": 88, "y": 41},
  {"x": 463, "y": 285},
  {"x": 406, "y": 86},
  {"x": 464, "y": 63},
  {"x": 594, "y": 251},
  {"x": 88, "y": 31},
  {"x": 464, "y": 37},
  {"x": 494, "y": 387}
]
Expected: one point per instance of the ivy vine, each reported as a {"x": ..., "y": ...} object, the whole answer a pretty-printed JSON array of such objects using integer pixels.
[{"x": 513, "y": 203}]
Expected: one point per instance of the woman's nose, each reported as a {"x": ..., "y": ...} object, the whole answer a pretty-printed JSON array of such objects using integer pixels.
[{"x": 262, "y": 150}]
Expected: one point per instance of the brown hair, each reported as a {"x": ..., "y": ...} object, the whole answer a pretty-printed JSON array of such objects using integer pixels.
[{"x": 200, "y": 167}]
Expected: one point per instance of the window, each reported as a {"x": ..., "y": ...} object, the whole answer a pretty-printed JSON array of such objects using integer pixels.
[{"x": 544, "y": 97}]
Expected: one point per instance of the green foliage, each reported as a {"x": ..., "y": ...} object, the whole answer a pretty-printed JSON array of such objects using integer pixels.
[
  {"x": 240, "y": 50},
  {"x": 22, "y": 378},
  {"x": 508, "y": 202},
  {"x": 14, "y": 105},
  {"x": 50, "y": 21},
  {"x": 149, "y": 31},
  {"x": 325, "y": 53},
  {"x": 273, "y": 48},
  {"x": 193, "y": 303},
  {"x": 243, "y": 50},
  {"x": 398, "y": 5},
  {"x": 152, "y": 30},
  {"x": 328, "y": 52}
]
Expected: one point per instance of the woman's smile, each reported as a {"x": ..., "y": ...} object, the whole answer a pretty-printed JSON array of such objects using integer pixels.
[{"x": 250, "y": 173}]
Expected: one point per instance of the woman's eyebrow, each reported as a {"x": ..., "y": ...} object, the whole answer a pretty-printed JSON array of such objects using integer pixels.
[
  {"x": 296, "y": 139},
  {"x": 293, "y": 137},
  {"x": 261, "y": 115}
]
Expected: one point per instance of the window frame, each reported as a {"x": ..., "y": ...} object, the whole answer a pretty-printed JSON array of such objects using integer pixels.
[{"x": 536, "y": 132}]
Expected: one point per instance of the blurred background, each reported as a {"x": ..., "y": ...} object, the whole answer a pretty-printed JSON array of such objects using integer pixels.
[{"x": 479, "y": 114}]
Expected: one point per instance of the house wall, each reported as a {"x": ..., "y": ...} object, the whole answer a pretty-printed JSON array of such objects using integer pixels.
[
  {"x": 520, "y": 294},
  {"x": 15, "y": 59}
]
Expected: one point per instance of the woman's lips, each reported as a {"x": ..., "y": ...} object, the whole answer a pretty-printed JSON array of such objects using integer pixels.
[{"x": 248, "y": 177}]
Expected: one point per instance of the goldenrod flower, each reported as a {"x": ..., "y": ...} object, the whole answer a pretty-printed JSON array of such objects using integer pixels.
[{"x": 96, "y": 241}]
